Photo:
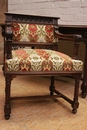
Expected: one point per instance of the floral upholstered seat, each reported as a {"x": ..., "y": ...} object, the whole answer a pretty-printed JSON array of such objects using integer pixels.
[{"x": 42, "y": 60}]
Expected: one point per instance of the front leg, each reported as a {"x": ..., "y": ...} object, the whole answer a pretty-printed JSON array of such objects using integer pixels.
[{"x": 7, "y": 107}]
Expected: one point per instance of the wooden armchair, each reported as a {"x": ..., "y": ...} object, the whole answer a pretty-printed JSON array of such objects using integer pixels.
[{"x": 31, "y": 48}]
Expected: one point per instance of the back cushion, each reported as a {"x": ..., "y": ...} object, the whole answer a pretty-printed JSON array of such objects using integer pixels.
[{"x": 33, "y": 33}]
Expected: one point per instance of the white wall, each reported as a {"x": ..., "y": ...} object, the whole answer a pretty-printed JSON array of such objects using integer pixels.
[{"x": 69, "y": 11}]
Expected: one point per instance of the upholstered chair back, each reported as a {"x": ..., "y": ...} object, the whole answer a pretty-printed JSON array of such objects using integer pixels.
[{"x": 33, "y": 33}]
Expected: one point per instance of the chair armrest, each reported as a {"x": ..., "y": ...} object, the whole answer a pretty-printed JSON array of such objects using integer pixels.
[{"x": 71, "y": 37}]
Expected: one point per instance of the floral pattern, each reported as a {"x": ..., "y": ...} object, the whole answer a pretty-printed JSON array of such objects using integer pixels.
[
  {"x": 49, "y": 33},
  {"x": 33, "y": 33},
  {"x": 39, "y": 59},
  {"x": 42, "y": 60},
  {"x": 16, "y": 33}
]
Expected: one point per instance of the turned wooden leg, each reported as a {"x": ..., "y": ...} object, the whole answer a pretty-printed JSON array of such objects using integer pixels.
[
  {"x": 84, "y": 83},
  {"x": 84, "y": 89},
  {"x": 75, "y": 103},
  {"x": 51, "y": 88},
  {"x": 7, "y": 107}
]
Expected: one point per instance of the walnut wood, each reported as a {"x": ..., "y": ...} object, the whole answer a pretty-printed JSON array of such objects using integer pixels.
[
  {"x": 82, "y": 30},
  {"x": 7, "y": 107},
  {"x": 22, "y": 18}
]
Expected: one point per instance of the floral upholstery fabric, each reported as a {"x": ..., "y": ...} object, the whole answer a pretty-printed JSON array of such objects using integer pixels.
[
  {"x": 41, "y": 60},
  {"x": 33, "y": 33}
]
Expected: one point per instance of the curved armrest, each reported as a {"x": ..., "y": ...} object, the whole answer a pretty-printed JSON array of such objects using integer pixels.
[{"x": 71, "y": 37}]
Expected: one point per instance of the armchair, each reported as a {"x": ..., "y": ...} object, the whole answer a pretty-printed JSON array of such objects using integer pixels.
[{"x": 31, "y": 48}]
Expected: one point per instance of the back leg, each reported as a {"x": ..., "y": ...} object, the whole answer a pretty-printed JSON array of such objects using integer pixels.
[
  {"x": 7, "y": 107},
  {"x": 52, "y": 87},
  {"x": 75, "y": 103}
]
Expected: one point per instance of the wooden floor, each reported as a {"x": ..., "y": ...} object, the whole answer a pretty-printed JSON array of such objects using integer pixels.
[{"x": 41, "y": 113}]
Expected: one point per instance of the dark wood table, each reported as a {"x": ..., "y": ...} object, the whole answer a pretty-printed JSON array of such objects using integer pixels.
[
  {"x": 72, "y": 29},
  {"x": 82, "y": 30}
]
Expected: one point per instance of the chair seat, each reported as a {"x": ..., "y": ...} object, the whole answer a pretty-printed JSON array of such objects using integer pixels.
[{"x": 41, "y": 60}]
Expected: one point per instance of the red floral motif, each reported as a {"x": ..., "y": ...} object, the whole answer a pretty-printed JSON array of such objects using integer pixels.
[
  {"x": 49, "y": 33},
  {"x": 21, "y": 54},
  {"x": 33, "y": 34},
  {"x": 15, "y": 27},
  {"x": 49, "y": 29},
  {"x": 43, "y": 53},
  {"x": 67, "y": 66},
  {"x": 47, "y": 65},
  {"x": 32, "y": 28},
  {"x": 24, "y": 65},
  {"x": 16, "y": 31}
]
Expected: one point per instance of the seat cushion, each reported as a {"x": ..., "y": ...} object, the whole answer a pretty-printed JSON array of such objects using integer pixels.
[{"x": 42, "y": 60}]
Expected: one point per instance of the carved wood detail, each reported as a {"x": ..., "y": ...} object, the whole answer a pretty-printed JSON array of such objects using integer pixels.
[{"x": 31, "y": 19}]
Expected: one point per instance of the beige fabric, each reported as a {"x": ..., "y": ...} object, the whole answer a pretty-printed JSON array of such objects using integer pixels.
[{"x": 42, "y": 60}]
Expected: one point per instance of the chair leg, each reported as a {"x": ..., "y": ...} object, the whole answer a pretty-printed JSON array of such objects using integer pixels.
[
  {"x": 75, "y": 103},
  {"x": 7, "y": 107},
  {"x": 84, "y": 89},
  {"x": 3, "y": 70},
  {"x": 51, "y": 88}
]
